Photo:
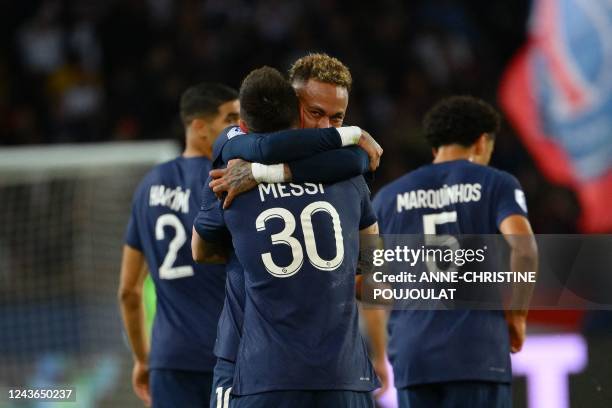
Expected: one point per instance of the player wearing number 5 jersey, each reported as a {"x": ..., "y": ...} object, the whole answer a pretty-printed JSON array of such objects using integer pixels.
[
  {"x": 461, "y": 357},
  {"x": 177, "y": 372},
  {"x": 298, "y": 244}
]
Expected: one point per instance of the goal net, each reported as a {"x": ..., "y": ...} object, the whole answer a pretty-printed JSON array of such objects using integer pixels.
[{"x": 63, "y": 213}]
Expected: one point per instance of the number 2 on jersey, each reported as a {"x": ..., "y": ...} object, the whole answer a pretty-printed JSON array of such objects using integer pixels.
[
  {"x": 167, "y": 270},
  {"x": 285, "y": 237}
]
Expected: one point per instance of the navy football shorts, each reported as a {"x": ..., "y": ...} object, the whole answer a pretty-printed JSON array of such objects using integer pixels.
[
  {"x": 223, "y": 376},
  {"x": 180, "y": 388},
  {"x": 456, "y": 394},
  {"x": 305, "y": 399}
]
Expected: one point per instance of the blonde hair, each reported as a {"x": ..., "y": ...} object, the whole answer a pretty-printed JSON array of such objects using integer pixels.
[{"x": 323, "y": 68}]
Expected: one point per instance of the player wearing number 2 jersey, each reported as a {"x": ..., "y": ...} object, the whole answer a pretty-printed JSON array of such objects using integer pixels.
[
  {"x": 298, "y": 244},
  {"x": 178, "y": 368},
  {"x": 460, "y": 357}
]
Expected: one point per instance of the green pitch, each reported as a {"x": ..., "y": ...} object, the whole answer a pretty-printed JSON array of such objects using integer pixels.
[{"x": 149, "y": 299}]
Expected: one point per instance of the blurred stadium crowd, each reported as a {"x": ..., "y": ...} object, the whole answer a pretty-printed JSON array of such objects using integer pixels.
[{"x": 73, "y": 71}]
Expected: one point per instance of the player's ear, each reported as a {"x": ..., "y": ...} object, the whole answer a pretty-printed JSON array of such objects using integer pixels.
[
  {"x": 198, "y": 124},
  {"x": 243, "y": 126},
  {"x": 434, "y": 152},
  {"x": 481, "y": 144}
]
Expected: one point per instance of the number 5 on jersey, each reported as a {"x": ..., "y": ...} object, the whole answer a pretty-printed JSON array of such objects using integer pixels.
[{"x": 432, "y": 239}]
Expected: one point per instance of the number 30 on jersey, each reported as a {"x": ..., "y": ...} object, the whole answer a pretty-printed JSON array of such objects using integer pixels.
[{"x": 285, "y": 237}]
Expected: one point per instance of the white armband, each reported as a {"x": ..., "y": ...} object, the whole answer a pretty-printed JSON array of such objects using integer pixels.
[
  {"x": 272, "y": 173},
  {"x": 349, "y": 135}
]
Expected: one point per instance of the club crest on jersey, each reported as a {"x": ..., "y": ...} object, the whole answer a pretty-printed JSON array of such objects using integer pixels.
[{"x": 235, "y": 131}]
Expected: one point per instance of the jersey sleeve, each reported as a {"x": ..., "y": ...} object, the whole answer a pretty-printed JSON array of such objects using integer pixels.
[
  {"x": 509, "y": 199},
  {"x": 209, "y": 223},
  {"x": 377, "y": 205},
  {"x": 367, "y": 211},
  {"x": 281, "y": 147},
  {"x": 226, "y": 135},
  {"x": 132, "y": 236},
  {"x": 132, "y": 233},
  {"x": 331, "y": 166}
]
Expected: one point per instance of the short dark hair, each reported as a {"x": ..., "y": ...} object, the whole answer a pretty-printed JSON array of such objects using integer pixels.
[
  {"x": 268, "y": 101},
  {"x": 204, "y": 99},
  {"x": 460, "y": 120}
]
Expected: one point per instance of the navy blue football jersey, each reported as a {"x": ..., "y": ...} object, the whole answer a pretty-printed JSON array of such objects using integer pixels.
[
  {"x": 189, "y": 296},
  {"x": 299, "y": 245},
  {"x": 210, "y": 225},
  {"x": 455, "y": 197},
  {"x": 230, "y": 321}
]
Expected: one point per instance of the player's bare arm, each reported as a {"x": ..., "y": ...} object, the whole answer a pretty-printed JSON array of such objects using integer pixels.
[
  {"x": 133, "y": 272},
  {"x": 235, "y": 179},
  {"x": 372, "y": 148},
  {"x": 204, "y": 251},
  {"x": 524, "y": 257},
  {"x": 375, "y": 319}
]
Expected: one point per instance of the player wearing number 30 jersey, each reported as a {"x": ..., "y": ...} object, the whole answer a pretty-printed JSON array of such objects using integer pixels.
[
  {"x": 298, "y": 244},
  {"x": 178, "y": 368}
]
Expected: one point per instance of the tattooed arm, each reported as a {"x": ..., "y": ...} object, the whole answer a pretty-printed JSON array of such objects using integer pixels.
[
  {"x": 327, "y": 167},
  {"x": 204, "y": 251}
]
